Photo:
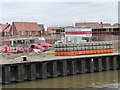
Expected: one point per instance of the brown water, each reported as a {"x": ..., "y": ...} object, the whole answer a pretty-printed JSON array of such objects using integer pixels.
[{"x": 72, "y": 81}]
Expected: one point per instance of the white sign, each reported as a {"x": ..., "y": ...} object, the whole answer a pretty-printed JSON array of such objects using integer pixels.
[{"x": 81, "y": 32}]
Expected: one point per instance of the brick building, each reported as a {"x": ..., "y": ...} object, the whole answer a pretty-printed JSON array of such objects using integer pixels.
[
  {"x": 20, "y": 32},
  {"x": 26, "y": 28},
  {"x": 92, "y": 25}
]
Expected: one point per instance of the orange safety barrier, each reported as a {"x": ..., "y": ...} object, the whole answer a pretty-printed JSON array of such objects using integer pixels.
[
  {"x": 105, "y": 51},
  {"x": 71, "y": 53},
  {"x": 83, "y": 52},
  {"x": 87, "y": 52},
  {"x": 65, "y": 53},
  {"x": 91, "y": 51},
  {"x": 55, "y": 53},
  {"x": 76, "y": 52},
  {"x": 59, "y": 53},
  {"x": 111, "y": 50},
  {"x": 79, "y": 52},
  {"x": 97, "y": 51},
  {"x": 94, "y": 51}
]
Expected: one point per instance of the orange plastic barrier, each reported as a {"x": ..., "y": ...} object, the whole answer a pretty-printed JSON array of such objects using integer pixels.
[{"x": 83, "y": 52}]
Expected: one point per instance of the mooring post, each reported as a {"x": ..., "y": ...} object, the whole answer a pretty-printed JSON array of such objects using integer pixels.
[
  {"x": 19, "y": 73},
  {"x": 43, "y": 70},
  {"x": 31, "y": 71},
  {"x": 64, "y": 67},
  {"x": 6, "y": 76}
]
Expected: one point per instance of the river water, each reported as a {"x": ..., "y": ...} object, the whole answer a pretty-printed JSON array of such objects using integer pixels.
[{"x": 99, "y": 79}]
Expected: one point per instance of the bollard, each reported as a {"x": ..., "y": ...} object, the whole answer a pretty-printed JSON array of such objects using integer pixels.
[{"x": 24, "y": 58}]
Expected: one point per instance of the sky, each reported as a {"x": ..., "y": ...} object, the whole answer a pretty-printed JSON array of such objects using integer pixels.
[{"x": 59, "y": 13}]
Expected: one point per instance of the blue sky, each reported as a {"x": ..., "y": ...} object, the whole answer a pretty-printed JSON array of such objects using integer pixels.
[{"x": 59, "y": 13}]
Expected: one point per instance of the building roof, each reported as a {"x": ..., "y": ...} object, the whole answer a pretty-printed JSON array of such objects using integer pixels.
[
  {"x": 3, "y": 27},
  {"x": 51, "y": 30},
  {"x": 116, "y": 25},
  {"x": 26, "y": 26},
  {"x": 92, "y": 25},
  {"x": 7, "y": 29},
  {"x": 87, "y": 24},
  {"x": 106, "y": 25}
]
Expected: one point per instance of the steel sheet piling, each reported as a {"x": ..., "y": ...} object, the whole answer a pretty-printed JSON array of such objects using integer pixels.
[
  {"x": 19, "y": 75},
  {"x": 118, "y": 60},
  {"x": 18, "y": 72},
  {"x": 43, "y": 70},
  {"x": 6, "y": 78},
  {"x": 83, "y": 66},
  {"x": 71, "y": 67},
  {"x": 105, "y": 63},
  {"x": 113, "y": 63},
  {"x": 64, "y": 67},
  {"x": 98, "y": 64},
  {"x": 52, "y": 69},
  {"x": 31, "y": 71},
  {"x": 89, "y": 65}
]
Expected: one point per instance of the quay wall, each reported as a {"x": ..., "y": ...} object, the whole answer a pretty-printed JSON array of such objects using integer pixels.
[{"x": 19, "y": 72}]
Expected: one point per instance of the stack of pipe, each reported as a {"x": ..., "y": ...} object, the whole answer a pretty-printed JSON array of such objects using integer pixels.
[{"x": 83, "y": 48}]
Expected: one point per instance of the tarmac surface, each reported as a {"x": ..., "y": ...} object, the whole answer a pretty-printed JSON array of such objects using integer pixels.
[{"x": 41, "y": 58}]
